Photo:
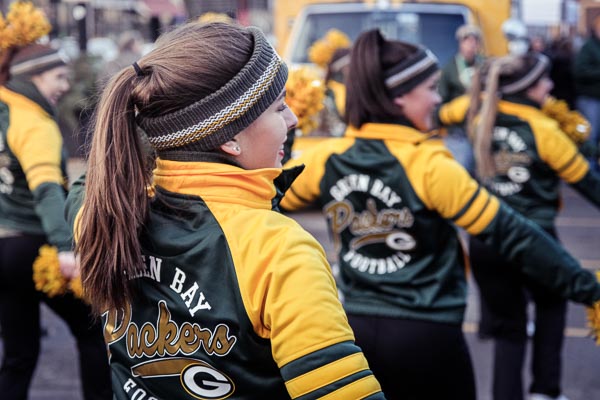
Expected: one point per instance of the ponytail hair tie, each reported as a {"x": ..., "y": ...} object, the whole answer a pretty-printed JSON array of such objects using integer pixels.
[{"x": 138, "y": 70}]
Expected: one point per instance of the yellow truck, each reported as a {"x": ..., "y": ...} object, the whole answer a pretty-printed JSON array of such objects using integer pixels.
[
  {"x": 299, "y": 23},
  {"x": 432, "y": 23}
]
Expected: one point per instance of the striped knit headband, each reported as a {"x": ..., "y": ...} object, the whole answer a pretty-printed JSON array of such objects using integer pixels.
[
  {"x": 540, "y": 68},
  {"x": 217, "y": 118},
  {"x": 405, "y": 76}
]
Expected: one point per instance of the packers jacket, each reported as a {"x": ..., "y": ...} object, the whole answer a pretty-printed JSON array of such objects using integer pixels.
[
  {"x": 238, "y": 300},
  {"x": 532, "y": 155},
  {"x": 391, "y": 195},
  {"x": 32, "y": 170}
]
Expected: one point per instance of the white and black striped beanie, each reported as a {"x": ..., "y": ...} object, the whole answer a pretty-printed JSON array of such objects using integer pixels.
[
  {"x": 35, "y": 59},
  {"x": 513, "y": 82},
  {"x": 410, "y": 72},
  {"x": 217, "y": 118}
]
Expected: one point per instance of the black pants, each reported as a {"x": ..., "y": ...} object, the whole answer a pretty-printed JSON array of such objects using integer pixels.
[
  {"x": 20, "y": 324},
  {"x": 505, "y": 294},
  {"x": 416, "y": 360}
]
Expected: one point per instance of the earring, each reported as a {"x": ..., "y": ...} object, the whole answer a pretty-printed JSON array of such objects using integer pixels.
[{"x": 236, "y": 148}]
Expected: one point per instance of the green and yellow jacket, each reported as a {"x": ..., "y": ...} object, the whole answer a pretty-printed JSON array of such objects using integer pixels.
[
  {"x": 238, "y": 300},
  {"x": 32, "y": 168},
  {"x": 391, "y": 196},
  {"x": 532, "y": 155}
]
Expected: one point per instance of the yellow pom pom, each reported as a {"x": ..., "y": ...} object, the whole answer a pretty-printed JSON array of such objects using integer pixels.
[
  {"x": 322, "y": 50},
  {"x": 48, "y": 278},
  {"x": 215, "y": 17},
  {"x": 23, "y": 25},
  {"x": 46, "y": 272},
  {"x": 305, "y": 92},
  {"x": 571, "y": 122},
  {"x": 593, "y": 317},
  {"x": 76, "y": 287}
]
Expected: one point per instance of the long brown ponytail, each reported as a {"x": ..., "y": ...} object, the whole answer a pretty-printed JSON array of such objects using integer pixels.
[
  {"x": 367, "y": 98},
  {"x": 116, "y": 199},
  {"x": 187, "y": 64}
]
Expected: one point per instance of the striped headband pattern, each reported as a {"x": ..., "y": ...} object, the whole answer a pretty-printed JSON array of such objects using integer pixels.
[
  {"x": 217, "y": 118},
  {"x": 403, "y": 77},
  {"x": 36, "y": 59},
  {"x": 540, "y": 67}
]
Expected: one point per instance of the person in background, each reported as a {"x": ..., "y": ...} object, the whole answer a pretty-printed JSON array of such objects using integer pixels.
[
  {"x": 586, "y": 71},
  {"x": 522, "y": 156},
  {"x": 455, "y": 81},
  {"x": 33, "y": 188},
  {"x": 129, "y": 46},
  {"x": 206, "y": 289},
  {"x": 561, "y": 56},
  {"x": 392, "y": 195},
  {"x": 335, "y": 93},
  {"x": 537, "y": 44}
]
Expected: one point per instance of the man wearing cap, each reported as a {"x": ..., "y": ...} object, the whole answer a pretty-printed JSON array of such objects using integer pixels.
[
  {"x": 454, "y": 82},
  {"x": 587, "y": 83}
]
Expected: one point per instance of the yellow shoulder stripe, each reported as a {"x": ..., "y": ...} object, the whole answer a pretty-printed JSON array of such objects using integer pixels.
[{"x": 327, "y": 374}]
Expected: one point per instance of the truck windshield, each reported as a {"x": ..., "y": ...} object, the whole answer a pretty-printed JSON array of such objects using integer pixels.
[{"x": 432, "y": 28}]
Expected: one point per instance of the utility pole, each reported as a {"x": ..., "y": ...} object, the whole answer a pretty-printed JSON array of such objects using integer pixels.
[{"x": 80, "y": 12}]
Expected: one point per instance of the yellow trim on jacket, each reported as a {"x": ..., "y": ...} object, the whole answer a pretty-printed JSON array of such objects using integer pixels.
[
  {"x": 34, "y": 138},
  {"x": 553, "y": 145},
  {"x": 440, "y": 182},
  {"x": 285, "y": 280}
]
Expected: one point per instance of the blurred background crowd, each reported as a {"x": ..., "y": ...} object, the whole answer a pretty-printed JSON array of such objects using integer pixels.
[{"x": 102, "y": 36}]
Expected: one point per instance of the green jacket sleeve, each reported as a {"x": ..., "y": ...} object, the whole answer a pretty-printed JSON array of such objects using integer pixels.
[
  {"x": 75, "y": 200},
  {"x": 49, "y": 206},
  {"x": 539, "y": 257},
  {"x": 589, "y": 187}
]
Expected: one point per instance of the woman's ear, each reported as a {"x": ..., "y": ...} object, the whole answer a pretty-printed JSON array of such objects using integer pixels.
[
  {"x": 231, "y": 147},
  {"x": 399, "y": 101}
]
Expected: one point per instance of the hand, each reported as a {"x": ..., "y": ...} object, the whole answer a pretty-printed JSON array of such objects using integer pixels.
[{"x": 69, "y": 266}]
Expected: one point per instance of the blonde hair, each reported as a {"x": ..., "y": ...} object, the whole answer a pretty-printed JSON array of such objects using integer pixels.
[{"x": 505, "y": 75}]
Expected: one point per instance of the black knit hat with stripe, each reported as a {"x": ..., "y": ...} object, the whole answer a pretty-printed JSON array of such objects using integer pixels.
[
  {"x": 217, "y": 118},
  {"x": 529, "y": 69},
  {"x": 411, "y": 72},
  {"x": 35, "y": 59}
]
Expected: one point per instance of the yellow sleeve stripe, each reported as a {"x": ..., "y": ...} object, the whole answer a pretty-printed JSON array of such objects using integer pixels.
[
  {"x": 478, "y": 212},
  {"x": 574, "y": 170},
  {"x": 43, "y": 173},
  {"x": 327, "y": 374},
  {"x": 473, "y": 208},
  {"x": 359, "y": 389},
  {"x": 485, "y": 217},
  {"x": 76, "y": 223}
]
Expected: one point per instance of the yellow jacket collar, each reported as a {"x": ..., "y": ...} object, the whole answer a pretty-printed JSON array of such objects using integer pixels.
[
  {"x": 524, "y": 111},
  {"x": 388, "y": 132},
  {"x": 219, "y": 182},
  {"x": 18, "y": 100}
]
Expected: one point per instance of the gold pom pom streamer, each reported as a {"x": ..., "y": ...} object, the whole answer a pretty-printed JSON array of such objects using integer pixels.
[
  {"x": 48, "y": 278},
  {"x": 215, "y": 17},
  {"x": 593, "y": 317},
  {"x": 305, "y": 92},
  {"x": 571, "y": 122},
  {"x": 24, "y": 24},
  {"x": 322, "y": 50}
]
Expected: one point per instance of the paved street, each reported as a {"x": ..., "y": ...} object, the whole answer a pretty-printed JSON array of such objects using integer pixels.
[{"x": 579, "y": 229}]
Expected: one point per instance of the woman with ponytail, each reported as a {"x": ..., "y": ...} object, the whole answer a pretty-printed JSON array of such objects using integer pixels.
[
  {"x": 522, "y": 155},
  {"x": 392, "y": 195},
  {"x": 206, "y": 290},
  {"x": 33, "y": 186}
]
